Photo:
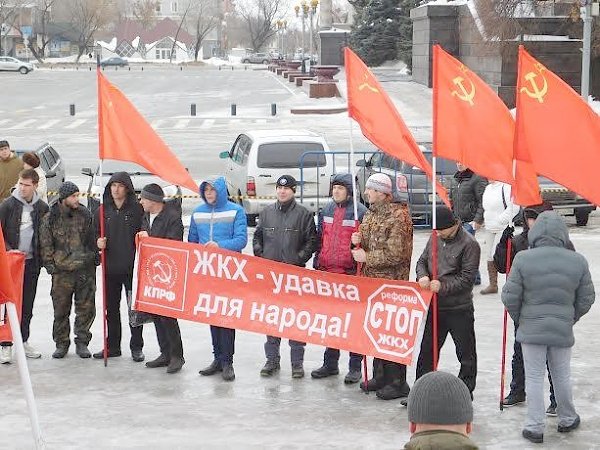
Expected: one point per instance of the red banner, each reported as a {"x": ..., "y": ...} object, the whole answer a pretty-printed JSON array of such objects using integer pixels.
[
  {"x": 16, "y": 262},
  {"x": 383, "y": 318}
]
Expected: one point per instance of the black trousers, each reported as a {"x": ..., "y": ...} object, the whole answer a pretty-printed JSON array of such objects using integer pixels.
[
  {"x": 30, "y": 281},
  {"x": 388, "y": 373},
  {"x": 169, "y": 337},
  {"x": 461, "y": 326},
  {"x": 114, "y": 288}
]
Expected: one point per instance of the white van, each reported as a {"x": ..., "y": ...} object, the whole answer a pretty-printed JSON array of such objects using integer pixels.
[{"x": 258, "y": 158}]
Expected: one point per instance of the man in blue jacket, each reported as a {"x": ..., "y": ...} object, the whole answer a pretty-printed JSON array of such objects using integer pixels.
[{"x": 219, "y": 223}]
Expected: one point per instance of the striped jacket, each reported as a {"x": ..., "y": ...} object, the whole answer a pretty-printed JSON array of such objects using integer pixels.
[{"x": 224, "y": 222}]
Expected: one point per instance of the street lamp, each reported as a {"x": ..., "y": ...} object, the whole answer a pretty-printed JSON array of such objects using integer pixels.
[
  {"x": 313, "y": 11},
  {"x": 281, "y": 26}
]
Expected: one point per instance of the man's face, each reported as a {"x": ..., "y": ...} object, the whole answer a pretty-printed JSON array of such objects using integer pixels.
[
  {"x": 72, "y": 201},
  {"x": 147, "y": 204},
  {"x": 339, "y": 193},
  {"x": 210, "y": 194},
  {"x": 461, "y": 167},
  {"x": 530, "y": 222},
  {"x": 284, "y": 194},
  {"x": 374, "y": 196},
  {"x": 26, "y": 188},
  {"x": 5, "y": 152},
  {"x": 118, "y": 191}
]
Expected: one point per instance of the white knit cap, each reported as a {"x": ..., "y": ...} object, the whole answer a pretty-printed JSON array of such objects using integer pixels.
[{"x": 379, "y": 182}]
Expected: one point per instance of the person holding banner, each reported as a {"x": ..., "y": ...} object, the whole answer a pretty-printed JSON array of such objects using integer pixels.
[
  {"x": 122, "y": 221},
  {"x": 335, "y": 227},
  {"x": 458, "y": 261},
  {"x": 385, "y": 238},
  {"x": 70, "y": 255},
  {"x": 219, "y": 223},
  {"x": 286, "y": 233},
  {"x": 20, "y": 216},
  {"x": 162, "y": 221}
]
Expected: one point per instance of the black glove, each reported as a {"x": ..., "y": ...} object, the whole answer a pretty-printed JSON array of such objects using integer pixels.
[{"x": 507, "y": 234}]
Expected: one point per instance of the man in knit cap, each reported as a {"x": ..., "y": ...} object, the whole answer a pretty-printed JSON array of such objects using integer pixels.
[
  {"x": 440, "y": 413},
  {"x": 384, "y": 247},
  {"x": 69, "y": 254}
]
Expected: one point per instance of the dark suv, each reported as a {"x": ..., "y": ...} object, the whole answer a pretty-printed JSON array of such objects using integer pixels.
[{"x": 566, "y": 202}]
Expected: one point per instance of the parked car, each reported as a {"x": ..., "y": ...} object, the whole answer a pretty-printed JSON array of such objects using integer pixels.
[
  {"x": 256, "y": 58},
  {"x": 140, "y": 177},
  {"x": 53, "y": 165},
  {"x": 566, "y": 202},
  {"x": 10, "y": 64},
  {"x": 411, "y": 184},
  {"x": 114, "y": 61},
  {"x": 258, "y": 158}
]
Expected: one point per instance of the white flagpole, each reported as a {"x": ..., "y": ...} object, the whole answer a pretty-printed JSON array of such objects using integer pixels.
[
  {"x": 15, "y": 328},
  {"x": 353, "y": 172}
]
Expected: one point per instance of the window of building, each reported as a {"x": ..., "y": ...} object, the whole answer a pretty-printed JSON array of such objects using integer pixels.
[{"x": 174, "y": 7}]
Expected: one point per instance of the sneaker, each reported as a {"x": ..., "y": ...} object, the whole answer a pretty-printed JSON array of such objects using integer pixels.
[
  {"x": 82, "y": 351},
  {"x": 354, "y": 376},
  {"x": 110, "y": 354},
  {"x": 269, "y": 368},
  {"x": 161, "y": 361},
  {"x": 551, "y": 411},
  {"x": 298, "y": 371},
  {"x": 228, "y": 372},
  {"x": 6, "y": 355},
  {"x": 569, "y": 428},
  {"x": 536, "y": 438},
  {"x": 175, "y": 365},
  {"x": 213, "y": 368},
  {"x": 513, "y": 399},
  {"x": 324, "y": 372},
  {"x": 137, "y": 355},
  {"x": 31, "y": 352}
]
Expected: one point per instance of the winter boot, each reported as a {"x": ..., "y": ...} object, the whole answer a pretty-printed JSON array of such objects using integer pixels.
[
  {"x": 393, "y": 391},
  {"x": 161, "y": 361},
  {"x": 493, "y": 274},
  {"x": 297, "y": 370},
  {"x": 324, "y": 372},
  {"x": 214, "y": 367},
  {"x": 82, "y": 350},
  {"x": 270, "y": 368},
  {"x": 228, "y": 372},
  {"x": 61, "y": 351},
  {"x": 353, "y": 376},
  {"x": 175, "y": 364},
  {"x": 372, "y": 385}
]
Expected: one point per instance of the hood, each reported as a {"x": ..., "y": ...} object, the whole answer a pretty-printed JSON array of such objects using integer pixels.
[
  {"x": 121, "y": 177},
  {"x": 220, "y": 186},
  {"x": 549, "y": 230},
  {"x": 16, "y": 194},
  {"x": 345, "y": 179}
]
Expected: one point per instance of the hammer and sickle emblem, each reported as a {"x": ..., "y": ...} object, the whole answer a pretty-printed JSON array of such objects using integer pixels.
[
  {"x": 464, "y": 95},
  {"x": 165, "y": 275},
  {"x": 367, "y": 86},
  {"x": 536, "y": 92}
]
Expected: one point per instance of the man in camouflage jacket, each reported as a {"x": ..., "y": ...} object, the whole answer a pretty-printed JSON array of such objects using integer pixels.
[
  {"x": 386, "y": 240},
  {"x": 69, "y": 254}
]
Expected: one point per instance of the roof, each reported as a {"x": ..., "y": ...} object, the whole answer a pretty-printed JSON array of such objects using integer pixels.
[
  {"x": 128, "y": 30},
  {"x": 283, "y": 133}
]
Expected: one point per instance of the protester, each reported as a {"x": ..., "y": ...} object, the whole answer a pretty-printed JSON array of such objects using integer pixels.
[
  {"x": 457, "y": 262},
  {"x": 498, "y": 211},
  {"x": 285, "y": 233},
  {"x": 69, "y": 254},
  {"x": 10, "y": 167},
  {"x": 163, "y": 222},
  {"x": 385, "y": 238},
  {"x": 549, "y": 288},
  {"x": 32, "y": 161},
  {"x": 335, "y": 227},
  {"x": 440, "y": 413},
  {"x": 122, "y": 221},
  {"x": 20, "y": 216},
  {"x": 219, "y": 223},
  {"x": 467, "y": 201}
]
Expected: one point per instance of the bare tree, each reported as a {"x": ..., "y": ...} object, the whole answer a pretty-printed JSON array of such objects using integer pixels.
[
  {"x": 260, "y": 21},
  {"x": 144, "y": 11},
  {"x": 41, "y": 36},
  {"x": 9, "y": 12},
  {"x": 202, "y": 19},
  {"x": 87, "y": 17}
]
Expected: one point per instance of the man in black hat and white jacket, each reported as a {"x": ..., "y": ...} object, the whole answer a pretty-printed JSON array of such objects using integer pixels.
[{"x": 286, "y": 232}]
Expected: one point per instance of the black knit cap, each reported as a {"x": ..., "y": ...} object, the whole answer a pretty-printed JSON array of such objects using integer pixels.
[
  {"x": 287, "y": 181},
  {"x": 67, "y": 189},
  {"x": 533, "y": 211},
  {"x": 445, "y": 218},
  {"x": 153, "y": 192},
  {"x": 4, "y": 144}
]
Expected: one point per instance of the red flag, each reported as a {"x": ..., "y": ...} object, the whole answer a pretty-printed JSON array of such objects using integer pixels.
[
  {"x": 557, "y": 132},
  {"x": 126, "y": 136},
  {"x": 379, "y": 120},
  {"x": 7, "y": 285}
]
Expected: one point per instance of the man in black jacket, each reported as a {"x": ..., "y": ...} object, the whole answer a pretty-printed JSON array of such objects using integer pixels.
[
  {"x": 122, "y": 221},
  {"x": 458, "y": 259},
  {"x": 20, "y": 217},
  {"x": 162, "y": 221},
  {"x": 286, "y": 232}
]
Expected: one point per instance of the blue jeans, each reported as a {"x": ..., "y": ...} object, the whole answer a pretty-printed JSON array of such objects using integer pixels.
[
  {"x": 332, "y": 357},
  {"x": 223, "y": 341},
  {"x": 468, "y": 228}
]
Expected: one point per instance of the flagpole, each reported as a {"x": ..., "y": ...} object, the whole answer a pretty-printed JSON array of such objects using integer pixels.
[
  {"x": 434, "y": 252},
  {"x": 15, "y": 328},
  {"x": 101, "y": 218}
]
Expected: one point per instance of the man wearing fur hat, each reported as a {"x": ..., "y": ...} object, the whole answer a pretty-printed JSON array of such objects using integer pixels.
[
  {"x": 286, "y": 233},
  {"x": 385, "y": 241},
  {"x": 69, "y": 254},
  {"x": 457, "y": 261}
]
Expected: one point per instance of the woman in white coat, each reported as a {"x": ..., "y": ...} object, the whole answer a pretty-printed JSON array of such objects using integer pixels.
[{"x": 498, "y": 211}]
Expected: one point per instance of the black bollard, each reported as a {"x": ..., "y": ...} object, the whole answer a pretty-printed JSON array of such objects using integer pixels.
[
  {"x": 233, "y": 109},
  {"x": 90, "y": 68},
  {"x": 273, "y": 109},
  {"x": 193, "y": 109},
  {"x": 219, "y": 67},
  {"x": 180, "y": 68},
  {"x": 129, "y": 68},
  {"x": 72, "y": 109},
  {"x": 231, "y": 67}
]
